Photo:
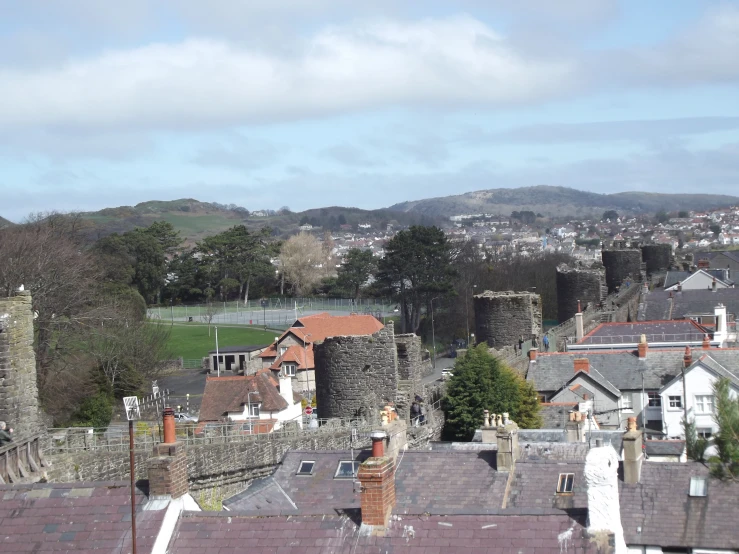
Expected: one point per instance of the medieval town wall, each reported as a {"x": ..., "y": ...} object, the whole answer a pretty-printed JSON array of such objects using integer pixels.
[
  {"x": 621, "y": 264},
  {"x": 575, "y": 284},
  {"x": 657, "y": 257},
  {"x": 502, "y": 317}
]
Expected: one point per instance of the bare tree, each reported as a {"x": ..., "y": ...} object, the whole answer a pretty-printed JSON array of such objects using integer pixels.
[
  {"x": 302, "y": 257},
  {"x": 210, "y": 312}
]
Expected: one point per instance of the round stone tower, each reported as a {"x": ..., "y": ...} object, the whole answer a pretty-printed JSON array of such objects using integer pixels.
[
  {"x": 621, "y": 263},
  {"x": 502, "y": 317},
  {"x": 658, "y": 257},
  {"x": 573, "y": 284}
]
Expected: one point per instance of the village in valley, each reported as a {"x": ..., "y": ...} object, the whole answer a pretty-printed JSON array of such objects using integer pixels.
[{"x": 330, "y": 277}]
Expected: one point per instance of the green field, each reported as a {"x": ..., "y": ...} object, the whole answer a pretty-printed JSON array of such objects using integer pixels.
[{"x": 192, "y": 341}]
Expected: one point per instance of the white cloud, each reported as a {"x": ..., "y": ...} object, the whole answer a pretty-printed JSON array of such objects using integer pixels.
[{"x": 206, "y": 82}]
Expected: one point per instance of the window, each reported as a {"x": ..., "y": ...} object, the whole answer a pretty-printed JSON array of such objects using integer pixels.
[
  {"x": 566, "y": 481},
  {"x": 288, "y": 370},
  {"x": 283, "y": 349},
  {"x": 254, "y": 410},
  {"x": 306, "y": 467},
  {"x": 347, "y": 469},
  {"x": 704, "y": 404},
  {"x": 698, "y": 486},
  {"x": 626, "y": 402},
  {"x": 704, "y": 432},
  {"x": 655, "y": 400},
  {"x": 676, "y": 402}
]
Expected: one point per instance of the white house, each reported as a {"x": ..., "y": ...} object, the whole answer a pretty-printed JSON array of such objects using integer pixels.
[
  {"x": 699, "y": 280},
  {"x": 263, "y": 401},
  {"x": 699, "y": 402}
]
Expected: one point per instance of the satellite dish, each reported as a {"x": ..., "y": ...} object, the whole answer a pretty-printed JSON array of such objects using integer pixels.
[{"x": 131, "y": 403}]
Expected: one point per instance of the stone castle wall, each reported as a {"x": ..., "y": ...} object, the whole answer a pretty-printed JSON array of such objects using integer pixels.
[
  {"x": 573, "y": 284},
  {"x": 621, "y": 264},
  {"x": 19, "y": 405},
  {"x": 355, "y": 375},
  {"x": 502, "y": 317}
]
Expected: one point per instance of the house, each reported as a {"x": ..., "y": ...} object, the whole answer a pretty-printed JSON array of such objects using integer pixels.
[
  {"x": 658, "y": 334},
  {"x": 673, "y": 277},
  {"x": 698, "y": 280},
  {"x": 292, "y": 352},
  {"x": 620, "y": 383},
  {"x": 244, "y": 359},
  {"x": 699, "y": 404},
  {"x": 264, "y": 401}
]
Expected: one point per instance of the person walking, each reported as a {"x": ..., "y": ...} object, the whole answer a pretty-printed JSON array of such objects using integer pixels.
[
  {"x": 545, "y": 342},
  {"x": 6, "y": 435},
  {"x": 520, "y": 345}
]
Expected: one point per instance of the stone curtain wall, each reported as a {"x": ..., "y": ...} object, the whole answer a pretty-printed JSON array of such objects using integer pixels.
[
  {"x": 502, "y": 317},
  {"x": 409, "y": 350},
  {"x": 357, "y": 374},
  {"x": 573, "y": 284},
  {"x": 658, "y": 257},
  {"x": 19, "y": 405},
  {"x": 621, "y": 264}
]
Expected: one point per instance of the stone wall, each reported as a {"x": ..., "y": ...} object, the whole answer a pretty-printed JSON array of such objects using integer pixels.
[
  {"x": 355, "y": 375},
  {"x": 19, "y": 405},
  {"x": 573, "y": 284},
  {"x": 658, "y": 257},
  {"x": 620, "y": 265},
  {"x": 502, "y": 317}
]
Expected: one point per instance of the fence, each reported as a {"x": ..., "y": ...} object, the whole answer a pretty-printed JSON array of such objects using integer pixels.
[
  {"x": 21, "y": 460},
  {"x": 147, "y": 434},
  {"x": 277, "y": 312}
]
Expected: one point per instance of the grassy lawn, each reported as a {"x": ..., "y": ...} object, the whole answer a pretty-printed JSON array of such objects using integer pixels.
[{"x": 192, "y": 341}]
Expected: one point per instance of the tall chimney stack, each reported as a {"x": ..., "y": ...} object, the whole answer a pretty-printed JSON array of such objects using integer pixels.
[
  {"x": 507, "y": 439},
  {"x": 706, "y": 342},
  {"x": 579, "y": 330},
  {"x": 604, "y": 515},
  {"x": 377, "y": 478},
  {"x": 687, "y": 357},
  {"x": 168, "y": 465},
  {"x": 633, "y": 454}
]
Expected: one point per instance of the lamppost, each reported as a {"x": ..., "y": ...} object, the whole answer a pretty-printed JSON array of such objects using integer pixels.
[
  {"x": 467, "y": 308},
  {"x": 218, "y": 358},
  {"x": 433, "y": 333},
  {"x": 251, "y": 412},
  {"x": 131, "y": 405}
]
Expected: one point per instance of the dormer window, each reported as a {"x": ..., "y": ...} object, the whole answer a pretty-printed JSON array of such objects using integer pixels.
[
  {"x": 565, "y": 483},
  {"x": 288, "y": 370},
  {"x": 253, "y": 410},
  {"x": 283, "y": 349}
]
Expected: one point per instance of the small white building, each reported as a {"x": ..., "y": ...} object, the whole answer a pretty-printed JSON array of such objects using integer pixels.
[
  {"x": 699, "y": 402},
  {"x": 699, "y": 280}
]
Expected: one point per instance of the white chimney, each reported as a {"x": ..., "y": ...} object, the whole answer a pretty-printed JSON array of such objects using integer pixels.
[
  {"x": 579, "y": 331},
  {"x": 604, "y": 513},
  {"x": 286, "y": 388},
  {"x": 722, "y": 333}
]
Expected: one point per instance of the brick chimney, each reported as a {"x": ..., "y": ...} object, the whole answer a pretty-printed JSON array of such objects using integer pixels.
[
  {"x": 582, "y": 364},
  {"x": 706, "y": 342},
  {"x": 532, "y": 354},
  {"x": 688, "y": 357},
  {"x": 377, "y": 499},
  {"x": 507, "y": 439},
  {"x": 168, "y": 465},
  {"x": 633, "y": 453},
  {"x": 643, "y": 347},
  {"x": 713, "y": 285}
]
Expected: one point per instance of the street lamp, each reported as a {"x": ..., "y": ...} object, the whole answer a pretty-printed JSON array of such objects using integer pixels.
[{"x": 467, "y": 308}]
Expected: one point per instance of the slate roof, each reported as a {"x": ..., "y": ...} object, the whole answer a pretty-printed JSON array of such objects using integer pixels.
[
  {"x": 655, "y": 331},
  {"x": 227, "y": 533},
  {"x": 675, "y": 277},
  {"x": 659, "y": 305},
  {"x": 660, "y": 505},
  {"x": 554, "y": 415},
  {"x": 75, "y": 517},
  {"x": 476, "y": 488},
  {"x": 534, "y": 485},
  {"x": 230, "y": 394},
  {"x": 664, "y": 448}
]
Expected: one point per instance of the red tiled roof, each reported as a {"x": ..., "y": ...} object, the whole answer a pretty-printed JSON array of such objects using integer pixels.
[
  {"x": 230, "y": 394},
  {"x": 298, "y": 355},
  {"x": 75, "y": 517}
]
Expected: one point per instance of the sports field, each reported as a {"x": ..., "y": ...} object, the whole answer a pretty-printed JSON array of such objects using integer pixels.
[{"x": 192, "y": 341}]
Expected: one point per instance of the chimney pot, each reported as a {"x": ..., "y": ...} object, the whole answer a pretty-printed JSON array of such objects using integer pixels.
[
  {"x": 169, "y": 428},
  {"x": 378, "y": 443},
  {"x": 706, "y": 342},
  {"x": 643, "y": 347},
  {"x": 688, "y": 357}
]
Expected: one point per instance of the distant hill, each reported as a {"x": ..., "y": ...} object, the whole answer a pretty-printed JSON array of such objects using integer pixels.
[
  {"x": 561, "y": 201},
  {"x": 196, "y": 220},
  {"x": 5, "y": 223}
]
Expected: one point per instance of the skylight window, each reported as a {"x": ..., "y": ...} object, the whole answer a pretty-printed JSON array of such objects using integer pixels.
[
  {"x": 698, "y": 486},
  {"x": 306, "y": 467},
  {"x": 565, "y": 483},
  {"x": 346, "y": 469}
]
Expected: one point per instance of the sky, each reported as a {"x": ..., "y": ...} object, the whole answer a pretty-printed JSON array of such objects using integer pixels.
[{"x": 309, "y": 103}]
